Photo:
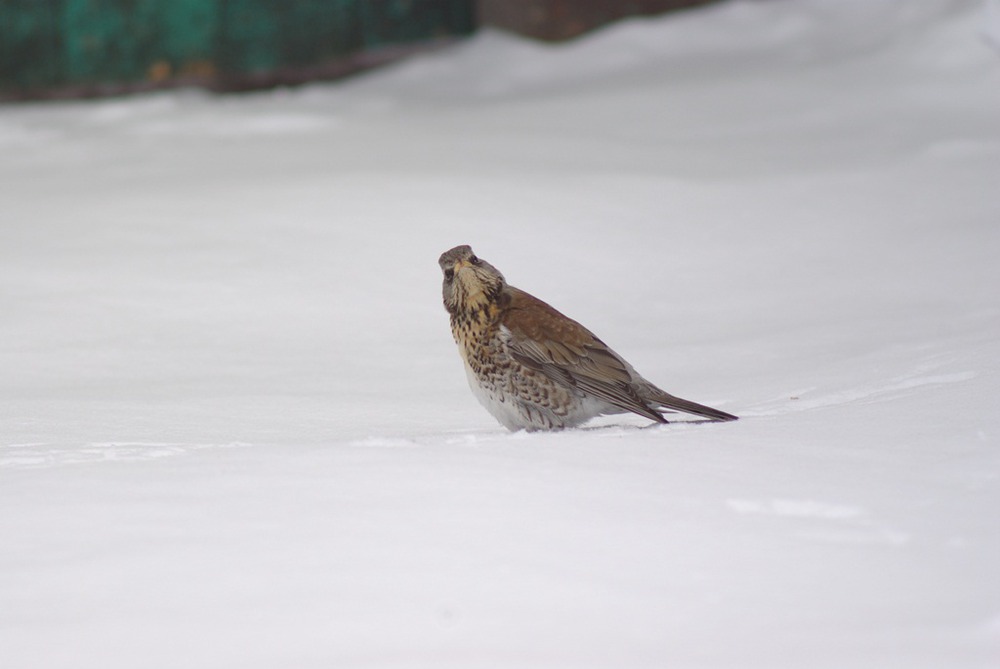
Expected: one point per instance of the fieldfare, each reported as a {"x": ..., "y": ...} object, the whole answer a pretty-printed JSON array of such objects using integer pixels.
[{"x": 532, "y": 367}]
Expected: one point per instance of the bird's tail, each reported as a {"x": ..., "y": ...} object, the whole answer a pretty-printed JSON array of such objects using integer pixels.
[{"x": 669, "y": 402}]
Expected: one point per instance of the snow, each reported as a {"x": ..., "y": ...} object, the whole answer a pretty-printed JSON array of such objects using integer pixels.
[
  {"x": 992, "y": 28},
  {"x": 235, "y": 432}
]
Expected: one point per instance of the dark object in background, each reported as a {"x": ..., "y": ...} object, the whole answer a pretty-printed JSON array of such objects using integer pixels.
[
  {"x": 564, "y": 19},
  {"x": 87, "y": 48},
  {"x": 81, "y": 48}
]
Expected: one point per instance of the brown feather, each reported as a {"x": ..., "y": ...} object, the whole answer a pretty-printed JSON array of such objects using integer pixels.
[{"x": 556, "y": 345}]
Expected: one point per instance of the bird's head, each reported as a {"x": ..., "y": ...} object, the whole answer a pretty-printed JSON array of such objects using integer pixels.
[{"x": 469, "y": 281}]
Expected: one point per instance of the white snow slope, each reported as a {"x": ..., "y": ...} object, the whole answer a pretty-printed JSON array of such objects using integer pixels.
[{"x": 236, "y": 432}]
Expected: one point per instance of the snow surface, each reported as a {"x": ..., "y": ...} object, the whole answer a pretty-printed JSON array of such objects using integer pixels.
[{"x": 236, "y": 432}]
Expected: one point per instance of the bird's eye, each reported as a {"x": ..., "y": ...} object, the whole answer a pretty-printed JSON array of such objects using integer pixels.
[
  {"x": 449, "y": 274},
  {"x": 474, "y": 260}
]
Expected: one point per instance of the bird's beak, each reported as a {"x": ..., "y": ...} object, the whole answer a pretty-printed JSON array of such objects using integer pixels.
[{"x": 459, "y": 264}]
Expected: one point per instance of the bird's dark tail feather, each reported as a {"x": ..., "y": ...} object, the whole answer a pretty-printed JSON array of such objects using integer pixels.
[{"x": 667, "y": 401}]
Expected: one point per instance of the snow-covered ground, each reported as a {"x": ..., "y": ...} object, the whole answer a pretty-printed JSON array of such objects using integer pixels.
[{"x": 236, "y": 432}]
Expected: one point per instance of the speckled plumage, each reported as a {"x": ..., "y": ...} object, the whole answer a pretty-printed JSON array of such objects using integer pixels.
[{"x": 534, "y": 368}]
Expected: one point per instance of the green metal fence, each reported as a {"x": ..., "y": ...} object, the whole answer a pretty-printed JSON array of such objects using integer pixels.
[{"x": 94, "y": 46}]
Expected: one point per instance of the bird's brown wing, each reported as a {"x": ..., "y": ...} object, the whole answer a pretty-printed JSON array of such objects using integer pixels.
[{"x": 541, "y": 338}]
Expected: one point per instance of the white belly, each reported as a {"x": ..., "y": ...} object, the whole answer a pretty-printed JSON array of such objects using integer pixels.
[{"x": 515, "y": 414}]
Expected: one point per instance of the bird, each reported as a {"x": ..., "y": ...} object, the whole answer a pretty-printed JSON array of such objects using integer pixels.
[{"x": 532, "y": 367}]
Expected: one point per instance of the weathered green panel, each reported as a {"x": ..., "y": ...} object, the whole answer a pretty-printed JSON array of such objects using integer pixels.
[
  {"x": 101, "y": 39},
  {"x": 248, "y": 37},
  {"x": 391, "y": 21},
  {"x": 188, "y": 29},
  {"x": 102, "y": 45},
  {"x": 28, "y": 44},
  {"x": 260, "y": 35}
]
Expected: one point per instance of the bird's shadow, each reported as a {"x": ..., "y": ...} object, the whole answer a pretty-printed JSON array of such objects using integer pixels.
[{"x": 636, "y": 428}]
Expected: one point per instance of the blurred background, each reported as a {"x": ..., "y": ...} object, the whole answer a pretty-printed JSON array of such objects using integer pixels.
[{"x": 76, "y": 48}]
